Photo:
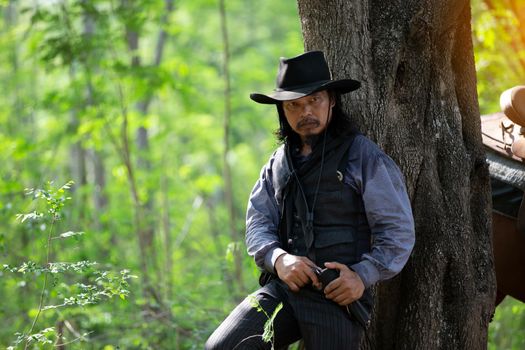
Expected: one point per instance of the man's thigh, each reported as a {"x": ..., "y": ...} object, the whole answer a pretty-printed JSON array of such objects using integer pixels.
[
  {"x": 244, "y": 327},
  {"x": 323, "y": 323}
]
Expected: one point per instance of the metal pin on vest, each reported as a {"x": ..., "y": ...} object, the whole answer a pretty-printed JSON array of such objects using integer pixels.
[{"x": 339, "y": 176}]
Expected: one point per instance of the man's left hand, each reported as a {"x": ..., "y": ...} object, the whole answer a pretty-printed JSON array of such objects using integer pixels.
[{"x": 347, "y": 288}]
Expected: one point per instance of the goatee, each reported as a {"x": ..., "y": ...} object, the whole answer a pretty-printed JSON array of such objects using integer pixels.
[{"x": 310, "y": 140}]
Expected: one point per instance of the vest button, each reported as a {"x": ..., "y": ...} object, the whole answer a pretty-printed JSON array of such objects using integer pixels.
[{"x": 290, "y": 242}]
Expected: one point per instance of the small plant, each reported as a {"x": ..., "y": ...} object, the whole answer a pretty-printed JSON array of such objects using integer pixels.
[
  {"x": 268, "y": 332},
  {"x": 92, "y": 285}
]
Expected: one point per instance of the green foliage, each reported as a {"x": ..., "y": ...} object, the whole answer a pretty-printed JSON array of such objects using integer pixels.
[
  {"x": 95, "y": 287},
  {"x": 74, "y": 96},
  {"x": 268, "y": 333},
  {"x": 499, "y": 50},
  {"x": 506, "y": 329}
]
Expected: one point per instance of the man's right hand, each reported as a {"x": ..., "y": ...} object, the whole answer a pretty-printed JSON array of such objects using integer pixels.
[{"x": 296, "y": 271}]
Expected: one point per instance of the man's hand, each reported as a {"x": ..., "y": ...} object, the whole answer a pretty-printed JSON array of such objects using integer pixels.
[
  {"x": 347, "y": 288},
  {"x": 296, "y": 271}
]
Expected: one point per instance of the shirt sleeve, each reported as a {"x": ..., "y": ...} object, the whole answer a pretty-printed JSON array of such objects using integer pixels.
[
  {"x": 262, "y": 222},
  {"x": 387, "y": 206}
]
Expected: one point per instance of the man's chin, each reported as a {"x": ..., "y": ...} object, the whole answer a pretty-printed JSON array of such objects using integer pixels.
[{"x": 311, "y": 139}]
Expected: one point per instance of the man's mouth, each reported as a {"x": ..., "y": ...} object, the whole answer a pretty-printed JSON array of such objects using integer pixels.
[{"x": 308, "y": 122}]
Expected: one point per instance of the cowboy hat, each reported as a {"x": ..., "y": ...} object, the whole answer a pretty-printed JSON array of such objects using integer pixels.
[{"x": 303, "y": 75}]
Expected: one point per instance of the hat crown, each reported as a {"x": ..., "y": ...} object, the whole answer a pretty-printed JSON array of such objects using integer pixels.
[
  {"x": 306, "y": 69},
  {"x": 303, "y": 75}
]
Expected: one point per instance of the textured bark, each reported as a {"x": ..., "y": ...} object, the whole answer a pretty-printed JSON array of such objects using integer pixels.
[{"x": 419, "y": 103}]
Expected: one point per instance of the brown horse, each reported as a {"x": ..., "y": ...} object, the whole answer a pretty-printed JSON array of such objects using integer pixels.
[{"x": 509, "y": 256}]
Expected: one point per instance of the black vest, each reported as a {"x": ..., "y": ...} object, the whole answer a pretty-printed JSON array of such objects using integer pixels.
[{"x": 338, "y": 229}]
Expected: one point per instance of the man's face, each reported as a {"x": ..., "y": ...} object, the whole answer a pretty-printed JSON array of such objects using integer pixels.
[{"x": 309, "y": 115}]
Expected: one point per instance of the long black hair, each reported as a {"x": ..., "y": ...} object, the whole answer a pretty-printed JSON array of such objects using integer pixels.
[{"x": 340, "y": 123}]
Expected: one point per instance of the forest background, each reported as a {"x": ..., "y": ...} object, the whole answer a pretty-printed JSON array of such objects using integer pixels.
[{"x": 144, "y": 106}]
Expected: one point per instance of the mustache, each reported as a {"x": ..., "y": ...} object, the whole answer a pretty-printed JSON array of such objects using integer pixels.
[{"x": 306, "y": 121}]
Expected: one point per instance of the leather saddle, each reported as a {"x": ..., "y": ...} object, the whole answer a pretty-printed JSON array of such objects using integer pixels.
[
  {"x": 503, "y": 136},
  {"x": 504, "y": 132}
]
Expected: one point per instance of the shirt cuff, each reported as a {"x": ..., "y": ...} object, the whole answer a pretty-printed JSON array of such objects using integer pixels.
[
  {"x": 271, "y": 257},
  {"x": 367, "y": 271}
]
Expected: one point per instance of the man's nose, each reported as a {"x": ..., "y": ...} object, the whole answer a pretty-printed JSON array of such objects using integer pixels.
[{"x": 306, "y": 109}]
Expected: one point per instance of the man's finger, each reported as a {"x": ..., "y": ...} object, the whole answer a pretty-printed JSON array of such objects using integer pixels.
[
  {"x": 312, "y": 276},
  {"x": 333, "y": 289},
  {"x": 341, "y": 298},
  {"x": 308, "y": 271},
  {"x": 344, "y": 301},
  {"x": 332, "y": 286},
  {"x": 293, "y": 287},
  {"x": 336, "y": 265},
  {"x": 303, "y": 277}
]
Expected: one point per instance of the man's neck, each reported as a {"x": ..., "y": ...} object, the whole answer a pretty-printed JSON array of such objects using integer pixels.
[{"x": 305, "y": 150}]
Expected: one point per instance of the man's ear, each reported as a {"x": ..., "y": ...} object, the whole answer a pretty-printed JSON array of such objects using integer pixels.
[{"x": 332, "y": 99}]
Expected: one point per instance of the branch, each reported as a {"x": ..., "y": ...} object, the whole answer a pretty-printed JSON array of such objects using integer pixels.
[{"x": 197, "y": 202}]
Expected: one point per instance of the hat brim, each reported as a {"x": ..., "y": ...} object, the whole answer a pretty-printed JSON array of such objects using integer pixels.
[{"x": 342, "y": 86}]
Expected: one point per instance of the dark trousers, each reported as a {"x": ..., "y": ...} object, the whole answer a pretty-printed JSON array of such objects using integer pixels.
[{"x": 307, "y": 315}]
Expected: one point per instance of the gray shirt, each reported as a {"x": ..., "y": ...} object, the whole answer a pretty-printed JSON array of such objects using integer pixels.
[{"x": 377, "y": 178}]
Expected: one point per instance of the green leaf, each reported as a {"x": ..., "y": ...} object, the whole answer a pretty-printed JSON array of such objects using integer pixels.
[
  {"x": 68, "y": 234},
  {"x": 31, "y": 216},
  {"x": 268, "y": 326}
]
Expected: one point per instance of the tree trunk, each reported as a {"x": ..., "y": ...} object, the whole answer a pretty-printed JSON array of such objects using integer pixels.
[
  {"x": 77, "y": 159},
  {"x": 144, "y": 213},
  {"x": 17, "y": 119},
  {"x": 226, "y": 276},
  {"x": 94, "y": 157},
  {"x": 419, "y": 103},
  {"x": 167, "y": 276},
  {"x": 100, "y": 197},
  {"x": 227, "y": 174},
  {"x": 144, "y": 206}
]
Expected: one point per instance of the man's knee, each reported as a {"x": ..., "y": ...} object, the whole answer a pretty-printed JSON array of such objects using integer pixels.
[
  {"x": 214, "y": 343},
  {"x": 229, "y": 342}
]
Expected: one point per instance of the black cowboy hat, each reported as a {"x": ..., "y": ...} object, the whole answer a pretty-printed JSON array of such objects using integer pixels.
[{"x": 303, "y": 75}]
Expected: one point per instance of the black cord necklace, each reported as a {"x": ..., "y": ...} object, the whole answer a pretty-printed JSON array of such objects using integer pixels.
[{"x": 310, "y": 211}]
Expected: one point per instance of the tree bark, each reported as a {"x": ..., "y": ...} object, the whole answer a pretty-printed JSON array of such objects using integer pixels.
[{"x": 419, "y": 103}]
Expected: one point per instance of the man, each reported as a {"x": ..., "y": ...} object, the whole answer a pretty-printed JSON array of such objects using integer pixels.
[{"x": 328, "y": 198}]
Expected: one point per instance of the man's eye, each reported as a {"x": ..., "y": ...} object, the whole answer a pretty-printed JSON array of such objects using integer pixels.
[{"x": 315, "y": 99}]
